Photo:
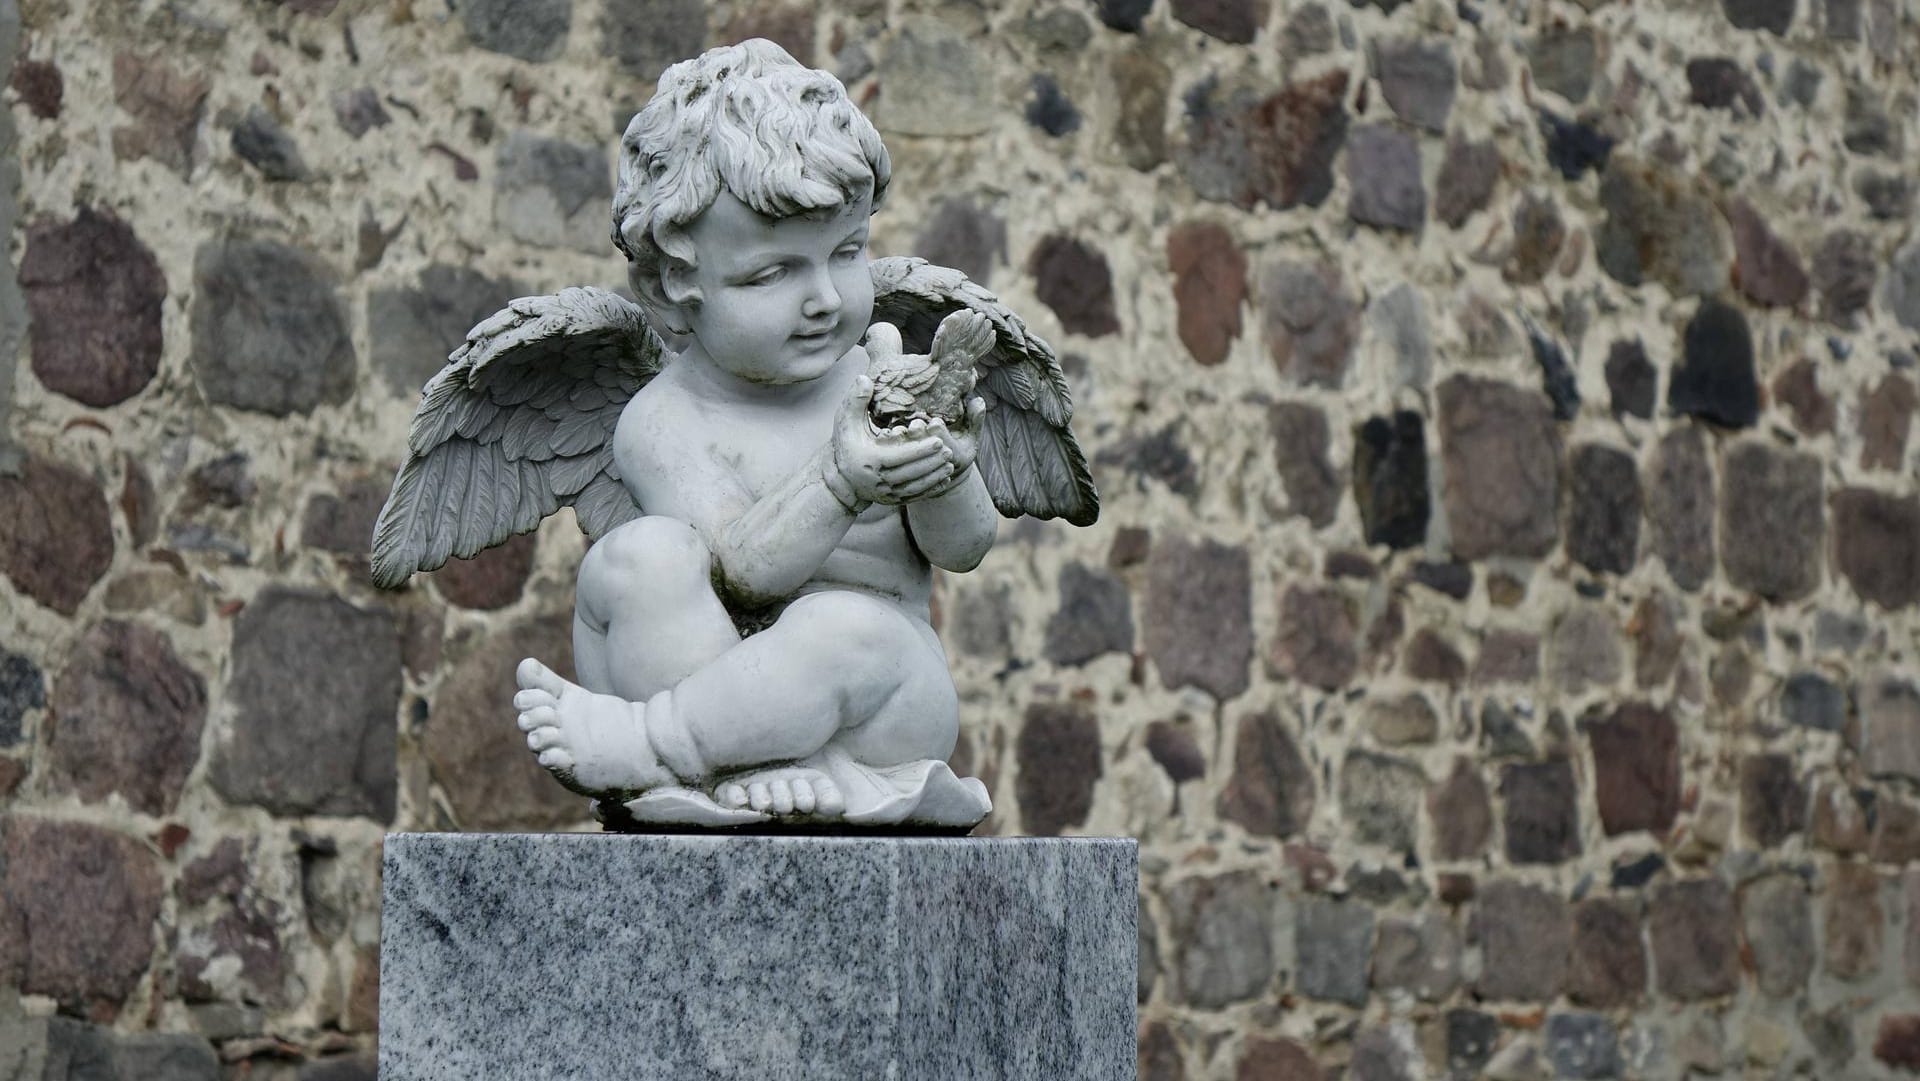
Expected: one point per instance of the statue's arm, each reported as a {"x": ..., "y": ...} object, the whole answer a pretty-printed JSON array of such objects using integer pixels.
[{"x": 955, "y": 528}]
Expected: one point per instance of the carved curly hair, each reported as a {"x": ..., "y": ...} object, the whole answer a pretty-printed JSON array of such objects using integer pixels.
[{"x": 780, "y": 137}]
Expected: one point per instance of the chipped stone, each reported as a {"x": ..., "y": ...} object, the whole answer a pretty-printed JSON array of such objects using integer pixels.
[
  {"x": 1460, "y": 813},
  {"x": 89, "y": 956},
  {"x": 1680, "y": 507},
  {"x": 1845, "y": 268},
  {"x": 551, "y": 193},
  {"x": 1603, "y": 517},
  {"x": 1715, "y": 378},
  {"x": 1719, "y": 82},
  {"x": 1773, "y": 803},
  {"x": 1562, "y": 60},
  {"x": 1390, "y": 479},
  {"x": 1798, "y": 388},
  {"x": 1886, "y": 412},
  {"x": 1198, "y": 620},
  {"x": 1095, "y": 617},
  {"x": 1542, "y": 821},
  {"x": 1608, "y": 968},
  {"x": 262, "y": 143},
  {"x": 1142, "y": 84},
  {"x": 1222, "y": 931},
  {"x": 1853, "y": 920},
  {"x": 1890, "y": 728},
  {"x": 127, "y": 715},
  {"x": 1332, "y": 941},
  {"x": 1417, "y": 79},
  {"x": 1766, "y": 268},
  {"x": 1632, "y": 380},
  {"x": 528, "y": 29},
  {"x": 1524, "y": 934},
  {"x": 1877, "y": 545},
  {"x": 1231, "y": 21},
  {"x": 166, "y": 107}
]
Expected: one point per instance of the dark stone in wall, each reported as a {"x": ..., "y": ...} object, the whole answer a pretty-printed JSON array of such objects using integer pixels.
[
  {"x": 1157, "y": 455},
  {"x": 1562, "y": 60},
  {"x": 1811, "y": 700},
  {"x": 1172, "y": 745},
  {"x": 270, "y": 333},
  {"x": 1776, "y": 922},
  {"x": 1632, "y": 380},
  {"x": 1071, "y": 277},
  {"x": 1050, "y": 110},
  {"x": 1059, "y": 756},
  {"x": 1300, "y": 439},
  {"x": 410, "y": 330},
  {"x": 40, "y": 86},
  {"x": 1383, "y": 169},
  {"x": 645, "y": 36},
  {"x": 56, "y": 540},
  {"x": 1773, "y": 802},
  {"x": 490, "y": 580},
  {"x": 1542, "y": 819},
  {"x": 127, "y": 715},
  {"x": 528, "y": 29},
  {"x": 1603, "y": 518},
  {"x": 315, "y": 686},
  {"x": 1636, "y": 777},
  {"x": 1719, "y": 82},
  {"x": 1886, "y": 412},
  {"x": 1845, "y": 268},
  {"x": 1582, "y": 1046},
  {"x": 1126, "y": 16},
  {"x": 963, "y": 235},
  {"x": 479, "y": 758},
  {"x": 1222, "y": 932},
  {"x": 1524, "y": 934},
  {"x": 1609, "y": 965},
  {"x": 1198, "y": 621},
  {"x": 94, "y": 295},
  {"x": 1246, "y": 146},
  {"x": 1773, "y": 16},
  {"x": 1317, "y": 641},
  {"x": 1142, "y": 84},
  {"x": 1460, "y": 812},
  {"x": 1417, "y": 78},
  {"x": 1390, "y": 479},
  {"x": 1271, "y": 790},
  {"x": 1772, "y": 521},
  {"x": 1766, "y": 268},
  {"x": 1680, "y": 507},
  {"x": 1715, "y": 378},
  {"x": 1209, "y": 287},
  {"x": 77, "y": 908},
  {"x": 1232, "y": 21},
  {"x": 1380, "y": 799},
  {"x": 1095, "y": 617},
  {"x": 1472, "y": 1038},
  {"x": 22, "y": 687},
  {"x": 165, "y": 107},
  {"x": 1501, "y": 454},
  {"x": 1332, "y": 941},
  {"x": 262, "y": 143},
  {"x": 1661, "y": 226},
  {"x": 1696, "y": 954},
  {"x": 1853, "y": 920},
  {"x": 1311, "y": 322},
  {"x": 1877, "y": 545},
  {"x": 1573, "y": 147},
  {"x": 1466, "y": 179}
]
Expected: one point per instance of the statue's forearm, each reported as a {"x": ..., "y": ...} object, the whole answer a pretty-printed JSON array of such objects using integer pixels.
[
  {"x": 769, "y": 552},
  {"x": 955, "y": 529}
]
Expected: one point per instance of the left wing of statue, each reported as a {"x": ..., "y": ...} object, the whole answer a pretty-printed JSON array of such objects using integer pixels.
[
  {"x": 1028, "y": 456},
  {"x": 517, "y": 425}
]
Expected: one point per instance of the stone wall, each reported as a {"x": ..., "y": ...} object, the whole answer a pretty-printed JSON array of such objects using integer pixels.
[{"x": 1500, "y": 632}]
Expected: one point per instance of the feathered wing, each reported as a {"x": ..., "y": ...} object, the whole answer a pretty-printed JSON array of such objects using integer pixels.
[
  {"x": 517, "y": 425},
  {"x": 1028, "y": 456}
]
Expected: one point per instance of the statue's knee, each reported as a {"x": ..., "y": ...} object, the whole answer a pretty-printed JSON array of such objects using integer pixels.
[
  {"x": 850, "y": 627},
  {"x": 647, "y": 550}
]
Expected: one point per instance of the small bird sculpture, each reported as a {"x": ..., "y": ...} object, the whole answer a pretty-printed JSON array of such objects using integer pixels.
[{"x": 934, "y": 385}]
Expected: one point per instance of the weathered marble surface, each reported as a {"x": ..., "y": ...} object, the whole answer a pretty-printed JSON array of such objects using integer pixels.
[{"x": 577, "y": 956}]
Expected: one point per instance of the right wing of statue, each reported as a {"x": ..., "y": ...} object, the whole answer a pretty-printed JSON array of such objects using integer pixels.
[{"x": 517, "y": 425}]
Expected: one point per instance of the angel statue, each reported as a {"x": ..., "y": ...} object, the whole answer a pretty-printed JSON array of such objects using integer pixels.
[{"x": 767, "y": 474}]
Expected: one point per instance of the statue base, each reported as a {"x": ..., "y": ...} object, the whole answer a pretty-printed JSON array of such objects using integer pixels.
[{"x": 579, "y": 957}]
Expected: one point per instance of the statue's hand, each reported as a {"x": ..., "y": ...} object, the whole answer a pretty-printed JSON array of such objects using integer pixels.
[
  {"x": 884, "y": 467},
  {"x": 962, "y": 440}
]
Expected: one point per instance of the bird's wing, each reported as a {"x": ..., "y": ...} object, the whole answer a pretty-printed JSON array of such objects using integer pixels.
[
  {"x": 1028, "y": 456},
  {"x": 518, "y": 424}
]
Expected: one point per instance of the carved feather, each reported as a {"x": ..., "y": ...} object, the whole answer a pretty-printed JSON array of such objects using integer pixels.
[
  {"x": 519, "y": 423},
  {"x": 1028, "y": 456}
]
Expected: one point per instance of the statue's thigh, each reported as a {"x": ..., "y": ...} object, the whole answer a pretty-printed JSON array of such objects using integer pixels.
[{"x": 890, "y": 669}]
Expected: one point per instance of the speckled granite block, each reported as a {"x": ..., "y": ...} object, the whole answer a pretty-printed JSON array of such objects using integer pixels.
[{"x": 577, "y": 957}]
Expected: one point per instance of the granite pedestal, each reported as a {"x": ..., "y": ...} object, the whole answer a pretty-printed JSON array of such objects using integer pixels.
[{"x": 577, "y": 957}]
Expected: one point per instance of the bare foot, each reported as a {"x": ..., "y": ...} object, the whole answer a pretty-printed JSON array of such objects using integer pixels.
[
  {"x": 784, "y": 790},
  {"x": 595, "y": 744}
]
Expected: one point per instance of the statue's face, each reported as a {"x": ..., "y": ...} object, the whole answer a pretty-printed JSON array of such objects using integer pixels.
[{"x": 782, "y": 299}]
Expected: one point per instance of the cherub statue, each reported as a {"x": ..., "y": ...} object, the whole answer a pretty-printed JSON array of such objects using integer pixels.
[{"x": 766, "y": 473}]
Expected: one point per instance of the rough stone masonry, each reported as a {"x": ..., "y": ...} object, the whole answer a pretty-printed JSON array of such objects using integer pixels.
[{"x": 1501, "y": 633}]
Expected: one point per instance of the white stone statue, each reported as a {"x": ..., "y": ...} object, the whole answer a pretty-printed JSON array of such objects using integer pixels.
[{"x": 767, "y": 475}]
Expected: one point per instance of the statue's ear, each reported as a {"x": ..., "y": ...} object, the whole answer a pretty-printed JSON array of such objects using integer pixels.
[{"x": 666, "y": 307}]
